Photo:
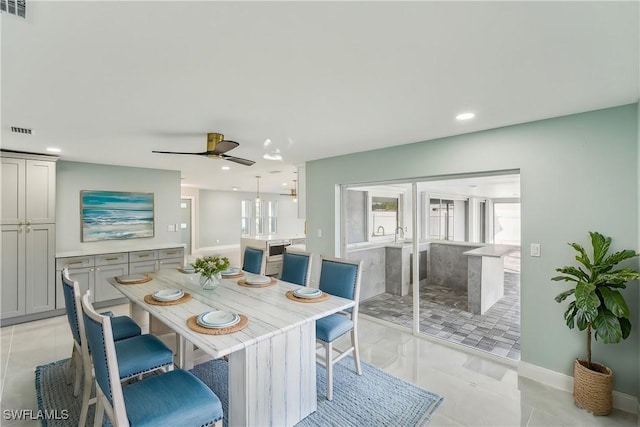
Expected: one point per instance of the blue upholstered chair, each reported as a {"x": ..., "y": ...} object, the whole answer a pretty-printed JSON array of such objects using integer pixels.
[
  {"x": 136, "y": 353},
  {"x": 296, "y": 267},
  {"x": 341, "y": 278},
  {"x": 253, "y": 260},
  {"x": 173, "y": 398}
]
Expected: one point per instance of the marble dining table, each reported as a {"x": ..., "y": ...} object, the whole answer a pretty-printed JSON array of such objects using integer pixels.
[{"x": 272, "y": 361}]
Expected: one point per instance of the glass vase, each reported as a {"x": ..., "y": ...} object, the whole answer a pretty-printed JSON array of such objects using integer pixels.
[{"x": 210, "y": 282}]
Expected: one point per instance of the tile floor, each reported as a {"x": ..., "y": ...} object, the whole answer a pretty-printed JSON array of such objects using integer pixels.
[
  {"x": 443, "y": 314},
  {"x": 477, "y": 391}
]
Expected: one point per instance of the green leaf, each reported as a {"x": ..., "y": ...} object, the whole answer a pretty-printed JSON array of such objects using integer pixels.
[
  {"x": 600, "y": 245},
  {"x": 583, "y": 258},
  {"x": 607, "y": 327},
  {"x": 625, "y": 325},
  {"x": 571, "y": 271},
  {"x": 570, "y": 314},
  {"x": 562, "y": 296},
  {"x": 587, "y": 303},
  {"x": 614, "y": 301}
]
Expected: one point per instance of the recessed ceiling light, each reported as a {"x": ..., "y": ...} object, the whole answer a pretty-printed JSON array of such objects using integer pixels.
[
  {"x": 267, "y": 142},
  {"x": 235, "y": 188},
  {"x": 272, "y": 156},
  {"x": 225, "y": 168},
  {"x": 54, "y": 150},
  {"x": 284, "y": 184},
  {"x": 465, "y": 116}
]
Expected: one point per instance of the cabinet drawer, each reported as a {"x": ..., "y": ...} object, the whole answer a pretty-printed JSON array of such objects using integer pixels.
[
  {"x": 109, "y": 259},
  {"x": 171, "y": 253},
  {"x": 75, "y": 262},
  {"x": 143, "y": 256},
  {"x": 143, "y": 267}
]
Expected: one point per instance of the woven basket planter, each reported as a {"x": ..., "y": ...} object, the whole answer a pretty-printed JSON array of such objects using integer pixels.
[{"x": 593, "y": 390}]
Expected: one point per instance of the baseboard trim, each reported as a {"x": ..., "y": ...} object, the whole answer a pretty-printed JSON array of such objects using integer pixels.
[{"x": 622, "y": 401}]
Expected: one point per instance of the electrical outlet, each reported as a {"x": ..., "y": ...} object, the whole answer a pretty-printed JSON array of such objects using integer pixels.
[{"x": 319, "y": 232}]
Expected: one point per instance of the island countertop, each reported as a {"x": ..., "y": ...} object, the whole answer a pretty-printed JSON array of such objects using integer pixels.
[{"x": 492, "y": 250}]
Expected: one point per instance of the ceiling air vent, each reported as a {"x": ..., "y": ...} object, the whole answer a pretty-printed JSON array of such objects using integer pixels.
[
  {"x": 21, "y": 130},
  {"x": 14, "y": 7}
]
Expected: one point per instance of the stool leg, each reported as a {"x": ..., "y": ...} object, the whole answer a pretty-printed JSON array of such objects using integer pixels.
[{"x": 329, "y": 364}]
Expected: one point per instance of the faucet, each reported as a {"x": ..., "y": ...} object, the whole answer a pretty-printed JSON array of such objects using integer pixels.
[
  {"x": 401, "y": 232},
  {"x": 378, "y": 230}
]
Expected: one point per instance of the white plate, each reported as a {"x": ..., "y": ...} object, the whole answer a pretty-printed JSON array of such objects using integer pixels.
[
  {"x": 307, "y": 292},
  {"x": 217, "y": 319},
  {"x": 231, "y": 271},
  {"x": 168, "y": 294},
  {"x": 257, "y": 280},
  {"x": 131, "y": 278}
]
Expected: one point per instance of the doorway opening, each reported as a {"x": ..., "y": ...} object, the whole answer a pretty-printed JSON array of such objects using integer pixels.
[{"x": 465, "y": 234}]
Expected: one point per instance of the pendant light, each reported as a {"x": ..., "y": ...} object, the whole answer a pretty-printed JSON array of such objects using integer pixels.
[{"x": 257, "y": 188}]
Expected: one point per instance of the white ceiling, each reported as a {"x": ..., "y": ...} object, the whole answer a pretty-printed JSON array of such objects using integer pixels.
[{"x": 108, "y": 82}]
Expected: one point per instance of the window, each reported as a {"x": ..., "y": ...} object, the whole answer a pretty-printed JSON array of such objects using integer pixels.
[
  {"x": 271, "y": 216},
  {"x": 246, "y": 217},
  {"x": 384, "y": 211},
  {"x": 266, "y": 217},
  {"x": 441, "y": 219}
]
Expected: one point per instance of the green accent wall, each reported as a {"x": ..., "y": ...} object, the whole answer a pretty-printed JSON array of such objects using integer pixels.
[{"x": 577, "y": 172}]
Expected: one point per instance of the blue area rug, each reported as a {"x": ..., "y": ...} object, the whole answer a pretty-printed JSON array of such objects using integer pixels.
[{"x": 373, "y": 399}]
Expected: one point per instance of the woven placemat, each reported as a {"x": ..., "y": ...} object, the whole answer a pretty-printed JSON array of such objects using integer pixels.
[
  {"x": 322, "y": 297},
  {"x": 145, "y": 280},
  {"x": 149, "y": 299},
  {"x": 192, "y": 323},
  {"x": 233, "y": 276},
  {"x": 243, "y": 282},
  {"x": 182, "y": 270}
]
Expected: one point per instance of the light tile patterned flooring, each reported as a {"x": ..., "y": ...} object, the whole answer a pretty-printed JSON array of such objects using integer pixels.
[
  {"x": 477, "y": 391},
  {"x": 443, "y": 314}
]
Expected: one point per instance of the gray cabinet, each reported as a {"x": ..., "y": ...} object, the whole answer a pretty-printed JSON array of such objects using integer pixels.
[
  {"x": 92, "y": 272},
  {"x": 28, "y": 234},
  {"x": 28, "y": 191},
  {"x": 150, "y": 261}
]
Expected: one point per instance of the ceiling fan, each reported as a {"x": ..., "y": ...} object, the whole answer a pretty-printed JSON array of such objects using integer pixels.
[
  {"x": 217, "y": 146},
  {"x": 294, "y": 190}
]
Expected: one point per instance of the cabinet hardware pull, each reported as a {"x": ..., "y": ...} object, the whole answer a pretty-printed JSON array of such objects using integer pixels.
[
  {"x": 28, "y": 228},
  {"x": 74, "y": 263},
  {"x": 171, "y": 252},
  {"x": 143, "y": 256},
  {"x": 20, "y": 222},
  {"x": 20, "y": 229},
  {"x": 28, "y": 222},
  {"x": 97, "y": 268},
  {"x": 111, "y": 259}
]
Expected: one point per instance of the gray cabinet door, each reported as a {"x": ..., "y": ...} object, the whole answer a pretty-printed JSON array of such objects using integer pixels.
[
  {"x": 143, "y": 267},
  {"x": 84, "y": 277},
  {"x": 13, "y": 191},
  {"x": 40, "y": 268},
  {"x": 13, "y": 271},
  {"x": 40, "y": 192},
  {"x": 104, "y": 291}
]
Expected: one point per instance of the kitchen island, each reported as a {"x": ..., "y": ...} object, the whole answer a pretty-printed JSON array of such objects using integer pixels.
[
  {"x": 485, "y": 276},
  {"x": 274, "y": 246}
]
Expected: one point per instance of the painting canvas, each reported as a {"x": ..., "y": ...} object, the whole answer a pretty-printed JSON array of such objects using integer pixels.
[{"x": 108, "y": 215}]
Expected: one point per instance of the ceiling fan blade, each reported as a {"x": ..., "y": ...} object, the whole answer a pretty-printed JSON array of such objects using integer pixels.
[
  {"x": 177, "y": 152},
  {"x": 238, "y": 160},
  {"x": 224, "y": 146}
]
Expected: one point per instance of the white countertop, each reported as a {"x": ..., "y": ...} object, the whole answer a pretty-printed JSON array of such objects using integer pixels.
[
  {"x": 122, "y": 247},
  {"x": 493, "y": 250},
  {"x": 269, "y": 237}
]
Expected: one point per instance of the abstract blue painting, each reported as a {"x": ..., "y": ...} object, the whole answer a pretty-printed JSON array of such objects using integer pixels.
[{"x": 108, "y": 215}]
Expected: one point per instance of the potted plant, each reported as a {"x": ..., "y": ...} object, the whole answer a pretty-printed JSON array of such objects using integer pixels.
[
  {"x": 210, "y": 268},
  {"x": 598, "y": 307}
]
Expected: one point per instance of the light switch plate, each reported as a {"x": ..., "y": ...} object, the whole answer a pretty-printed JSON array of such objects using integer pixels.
[{"x": 535, "y": 249}]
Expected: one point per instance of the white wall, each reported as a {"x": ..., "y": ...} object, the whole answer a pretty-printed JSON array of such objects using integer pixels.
[
  {"x": 72, "y": 177},
  {"x": 219, "y": 216}
]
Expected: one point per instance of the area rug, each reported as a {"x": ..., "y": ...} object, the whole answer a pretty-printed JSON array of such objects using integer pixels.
[{"x": 373, "y": 399}]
